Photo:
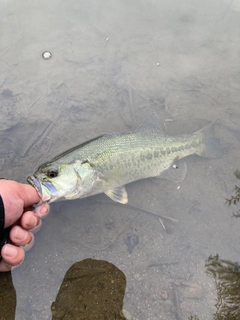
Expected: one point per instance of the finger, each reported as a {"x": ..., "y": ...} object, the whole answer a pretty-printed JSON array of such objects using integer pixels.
[
  {"x": 30, "y": 220},
  {"x": 29, "y": 195},
  {"x": 12, "y": 256},
  {"x": 29, "y": 245},
  {"x": 42, "y": 210},
  {"x": 19, "y": 236},
  {"x": 37, "y": 228}
]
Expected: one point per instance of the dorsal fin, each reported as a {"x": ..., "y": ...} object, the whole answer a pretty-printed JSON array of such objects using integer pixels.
[{"x": 151, "y": 123}]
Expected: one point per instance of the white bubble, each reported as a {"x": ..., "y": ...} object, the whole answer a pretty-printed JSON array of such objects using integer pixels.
[{"x": 46, "y": 55}]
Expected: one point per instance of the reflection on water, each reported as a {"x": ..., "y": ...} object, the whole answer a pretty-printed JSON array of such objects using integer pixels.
[
  {"x": 94, "y": 289},
  {"x": 226, "y": 275},
  {"x": 7, "y": 297},
  {"x": 234, "y": 200},
  {"x": 91, "y": 289},
  {"x": 113, "y": 63}
]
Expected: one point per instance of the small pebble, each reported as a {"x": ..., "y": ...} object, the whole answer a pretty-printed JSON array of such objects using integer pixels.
[{"x": 164, "y": 295}]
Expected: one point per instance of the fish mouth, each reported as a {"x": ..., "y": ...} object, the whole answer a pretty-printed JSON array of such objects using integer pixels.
[
  {"x": 34, "y": 182},
  {"x": 46, "y": 190}
]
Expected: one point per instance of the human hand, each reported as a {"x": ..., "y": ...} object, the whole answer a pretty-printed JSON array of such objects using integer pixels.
[{"x": 18, "y": 199}]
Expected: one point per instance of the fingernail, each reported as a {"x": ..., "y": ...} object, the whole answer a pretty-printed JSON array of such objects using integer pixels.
[
  {"x": 10, "y": 251},
  {"x": 32, "y": 221},
  {"x": 44, "y": 209},
  {"x": 37, "y": 227},
  {"x": 20, "y": 234},
  {"x": 29, "y": 245}
]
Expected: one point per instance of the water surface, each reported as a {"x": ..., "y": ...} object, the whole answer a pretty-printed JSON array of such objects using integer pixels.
[{"x": 113, "y": 63}]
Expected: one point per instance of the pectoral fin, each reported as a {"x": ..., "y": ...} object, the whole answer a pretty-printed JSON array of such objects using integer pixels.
[{"x": 119, "y": 194}]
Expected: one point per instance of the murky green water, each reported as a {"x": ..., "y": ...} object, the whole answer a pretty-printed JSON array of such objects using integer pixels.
[{"x": 112, "y": 64}]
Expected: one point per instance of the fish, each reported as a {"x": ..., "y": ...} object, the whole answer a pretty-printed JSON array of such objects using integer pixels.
[{"x": 107, "y": 163}]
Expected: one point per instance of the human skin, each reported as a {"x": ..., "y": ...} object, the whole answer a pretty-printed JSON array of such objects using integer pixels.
[{"x": 18, "y": 199}]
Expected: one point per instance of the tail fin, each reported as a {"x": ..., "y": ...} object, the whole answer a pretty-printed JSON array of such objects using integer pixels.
[{"x": 209, "y": 147}]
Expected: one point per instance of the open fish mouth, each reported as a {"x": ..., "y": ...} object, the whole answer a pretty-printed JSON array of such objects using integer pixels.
[
  {"x": 46, "y": 190},
  {"x": 36, "y": 184}
]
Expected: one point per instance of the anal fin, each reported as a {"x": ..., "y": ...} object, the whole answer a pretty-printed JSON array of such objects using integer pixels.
[{"x": 177, "y": 172}]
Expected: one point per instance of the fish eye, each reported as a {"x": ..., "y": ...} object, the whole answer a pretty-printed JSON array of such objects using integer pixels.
[{"x": 52, "y": 173}]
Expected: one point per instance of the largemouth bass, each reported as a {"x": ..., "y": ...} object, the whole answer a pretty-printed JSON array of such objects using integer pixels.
[{"x": 109, "y": 162}]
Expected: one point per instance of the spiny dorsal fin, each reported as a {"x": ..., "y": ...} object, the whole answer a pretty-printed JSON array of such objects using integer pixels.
[
  {"x": 118, "y": 194},
  {"x": 151, "y": 123}
]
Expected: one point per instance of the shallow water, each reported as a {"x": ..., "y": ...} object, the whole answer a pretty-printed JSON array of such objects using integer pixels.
[{"x": 112, "y": 64}]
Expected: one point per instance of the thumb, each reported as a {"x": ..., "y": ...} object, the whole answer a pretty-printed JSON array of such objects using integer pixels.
[{"x": 29, "y": 195}]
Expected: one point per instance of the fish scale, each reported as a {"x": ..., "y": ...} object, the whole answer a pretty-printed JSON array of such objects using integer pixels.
[{"x": 107, "y": 163}]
